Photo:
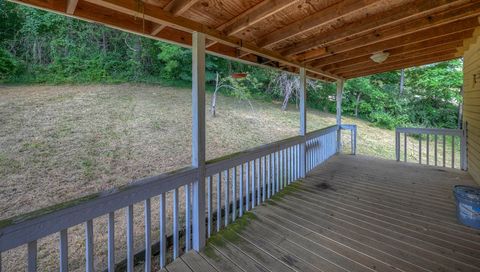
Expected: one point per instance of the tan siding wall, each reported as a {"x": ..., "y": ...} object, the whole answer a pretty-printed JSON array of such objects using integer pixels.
[{"x": 472, "y": 106}]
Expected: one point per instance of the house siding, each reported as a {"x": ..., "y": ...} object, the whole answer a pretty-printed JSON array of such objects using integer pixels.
[{"x": 471, "y": 71}]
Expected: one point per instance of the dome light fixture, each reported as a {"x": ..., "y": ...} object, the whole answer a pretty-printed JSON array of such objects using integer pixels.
[{"x": 380, "y": 57}]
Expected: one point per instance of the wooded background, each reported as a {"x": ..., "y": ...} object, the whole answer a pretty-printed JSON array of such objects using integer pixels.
[{"x": 37, "y": 47}]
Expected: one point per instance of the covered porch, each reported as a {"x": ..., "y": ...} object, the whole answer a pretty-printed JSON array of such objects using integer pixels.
[
  {"x": 353, "y": 213},
  {"x": 297, "y": 204}
]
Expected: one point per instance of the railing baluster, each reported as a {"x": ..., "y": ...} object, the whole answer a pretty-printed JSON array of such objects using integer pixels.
[
  {"x": 247, "y": 187},
  {"x": 285, "y": 167},
  {"x": 63, "y": 250},
  {"x": 253, "y": 177},
  {"x": 258, "y": 191},
  {"x": 264, "y": 165},
  {"x": 32, "y": 256},
  {"x": 111, "y": 241},
  {"x": 234, "y": 194},
  {"x": 219, "y": 201},
  {"x": 175, "y": 224},
  {"x": 269, "y": 176},
  {"x": 227, "y": 199},
  {"x": 291, "y": 163},
  {"x": 436, "y": 150},
  {"x": 444, "y": 153},
  {"x": 89, "y": 246},
  {"x": 148, "y": 243},
  {"x": 453, "y": 151},
  {"x": 240, "y": 190},
  {"x": 405, "y": 147},
  {"x": 129, "y": 219},
  {"x": 209, "y": 206},
  {"x": 278, "y": 172},
  {"x": 188, "y": 218},
  {"x": 428, "y": 149},
  {"x": 282, "y": 169},
  {"x": 162, "y": 230},
  {"x": 420, "y": 148}
]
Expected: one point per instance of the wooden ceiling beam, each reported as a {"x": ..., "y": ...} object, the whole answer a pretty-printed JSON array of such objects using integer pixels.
[
  {"x": 445, "y": 40},
  {"x": 423, "y": 24},
  {"x": 127, "y": 16},
  {"x": 400, "y": 59},
  {"x": 159, "y": 16},
  {"x": 371, "y": 22},
  {"x": 318, "y": 19},
  {"x": 439, "y": 31},
  {"x": 252, "y": 16},
  {"x": 417, "y": 62},
  {"x": 71, "y": 6},
  {"x": 176, "y": 7}
]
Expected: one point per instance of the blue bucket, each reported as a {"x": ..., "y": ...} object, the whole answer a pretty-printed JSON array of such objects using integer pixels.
[{"x": 468, "y": 205}]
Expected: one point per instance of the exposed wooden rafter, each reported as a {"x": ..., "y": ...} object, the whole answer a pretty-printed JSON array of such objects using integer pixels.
[
  {"x": 371, "y": 22},
  {"x": 334, "y": 12},
  {"x": 252, "y": 16},
  {"x": 427, "y": 34},
  {"x": 352, "y": 30},
  {"x": 176, "y": 7},
  {"x": 442, "y": 43},
  {"x": 445, "y": 19}
]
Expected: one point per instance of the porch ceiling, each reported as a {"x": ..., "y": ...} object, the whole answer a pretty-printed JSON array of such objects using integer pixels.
[{"x": 333, "y": 39}]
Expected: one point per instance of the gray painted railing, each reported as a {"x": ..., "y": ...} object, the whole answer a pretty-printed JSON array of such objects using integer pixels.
[
  {"x": 435, "y": 145},
  {"x": 248, "y": 178}
]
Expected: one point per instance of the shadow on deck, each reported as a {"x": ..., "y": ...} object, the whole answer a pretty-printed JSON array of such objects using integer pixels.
[{"x": 353, "y": 213}]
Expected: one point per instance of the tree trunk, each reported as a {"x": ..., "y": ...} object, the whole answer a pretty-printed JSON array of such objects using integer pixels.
[
  {"x": 214, "y": 96},
  {"x": 357, "y": 103},
  {"x": 402, "y": 81}
]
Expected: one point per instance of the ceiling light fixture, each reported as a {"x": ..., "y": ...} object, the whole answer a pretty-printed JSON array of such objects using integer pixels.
[{"x": 380, "y": 57}]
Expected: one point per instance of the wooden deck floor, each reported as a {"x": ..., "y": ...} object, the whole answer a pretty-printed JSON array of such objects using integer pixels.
[{"x": 353, "y": 213}]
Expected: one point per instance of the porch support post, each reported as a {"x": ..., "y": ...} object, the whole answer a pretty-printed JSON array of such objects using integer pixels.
[
  {"x": 303, "y": 122},
  {"x": 198, "y": 138},
  {"x": 340, "y": 84}
]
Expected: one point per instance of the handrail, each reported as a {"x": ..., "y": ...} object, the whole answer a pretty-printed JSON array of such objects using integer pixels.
[
  {"x": 35, "y": 225},
  {"x": 262, "y": 172},
  {"x": 436, "y": 133}
]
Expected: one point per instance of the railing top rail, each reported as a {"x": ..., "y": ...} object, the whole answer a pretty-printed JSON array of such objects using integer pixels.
[
  {"x": 221, "y": 163},
  {"x": 348, "y": 126},
  {"x": 25, "y": 228},
  {"x": 437, "y": 131}
]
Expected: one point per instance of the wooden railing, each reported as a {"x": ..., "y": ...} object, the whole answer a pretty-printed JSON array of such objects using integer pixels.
[
  {"x": 235, "y": 184},
  {"x": 432, "y": 146}
]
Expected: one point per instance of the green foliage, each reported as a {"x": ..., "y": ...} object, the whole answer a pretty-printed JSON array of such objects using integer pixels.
[{"x": 41, "y": 47}]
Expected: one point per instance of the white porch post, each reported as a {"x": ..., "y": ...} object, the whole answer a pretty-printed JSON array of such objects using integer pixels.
[
  {"x": 339, "y": 113},
  {"x": 198, "y": 138},
  {"x": 303, "y": 121}
]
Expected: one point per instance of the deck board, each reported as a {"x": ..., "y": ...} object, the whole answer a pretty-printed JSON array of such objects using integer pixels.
[{"x": 355, "y": 213}]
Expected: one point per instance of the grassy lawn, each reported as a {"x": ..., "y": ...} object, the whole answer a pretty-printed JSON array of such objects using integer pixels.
[{"x": 62, "y": 142}]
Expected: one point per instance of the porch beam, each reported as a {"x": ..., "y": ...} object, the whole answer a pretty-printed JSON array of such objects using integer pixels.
[
  {"x": 198, "y": 138},
  {"x": 159, "y": 16},
  {"x": 371, "y": 23},
  {"x": 303, "y": 121},
  {"x": 316, "y": 20},
  {"x": 340, "y": 85}
]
